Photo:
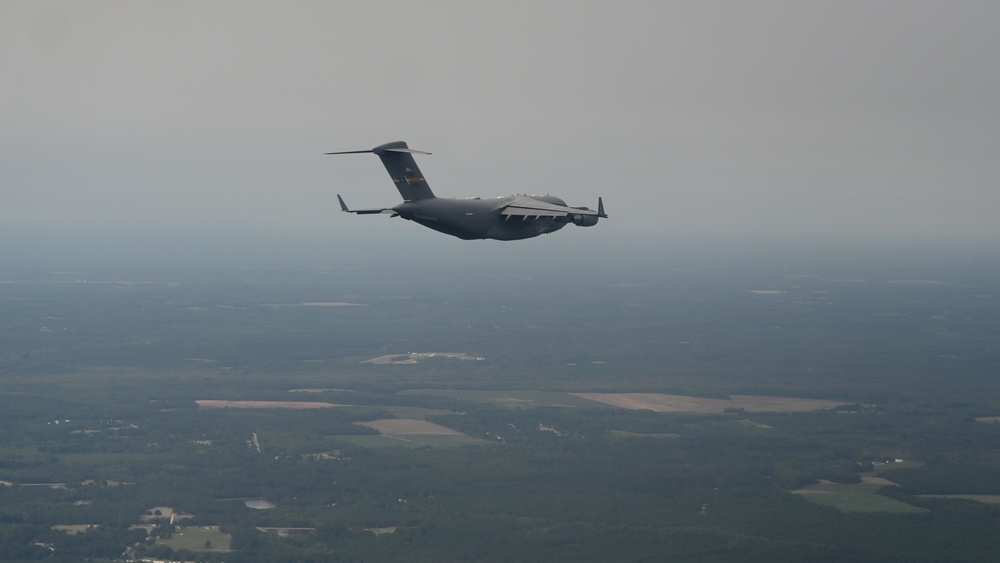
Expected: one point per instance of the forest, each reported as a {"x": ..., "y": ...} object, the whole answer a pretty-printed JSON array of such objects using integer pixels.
[{"x": 109, "y": 370}]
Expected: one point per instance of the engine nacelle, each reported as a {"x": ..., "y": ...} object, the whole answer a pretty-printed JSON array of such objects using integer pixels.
[{"x": 584, "y": 220}]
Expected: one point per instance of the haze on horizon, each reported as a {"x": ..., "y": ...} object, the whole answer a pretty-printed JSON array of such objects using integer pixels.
[{"x": 771, "y": 117}]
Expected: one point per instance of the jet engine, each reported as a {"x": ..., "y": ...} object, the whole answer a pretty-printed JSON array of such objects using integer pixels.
[{"x": 584, "y": 220}]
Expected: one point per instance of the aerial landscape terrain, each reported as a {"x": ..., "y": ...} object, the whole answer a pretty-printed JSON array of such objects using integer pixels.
[
  {"x": 695, "y": 400},
  {"x": 528, "y": 281}
]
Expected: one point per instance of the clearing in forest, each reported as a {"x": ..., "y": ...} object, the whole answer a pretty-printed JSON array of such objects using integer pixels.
[
  {"x": 856, "y": 497},
  {"x": 409, "y": 426},
  {"x": 411, "y": 433},
  {"x": 659, "y": 402},
  {"x": 213, "y": 404}
]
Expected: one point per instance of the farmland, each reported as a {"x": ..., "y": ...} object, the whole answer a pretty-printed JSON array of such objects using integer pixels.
[
  {"x": 217, "y": 404},
  {"x": 659, "y": 402},
  {"x": 630, "y": 411}
]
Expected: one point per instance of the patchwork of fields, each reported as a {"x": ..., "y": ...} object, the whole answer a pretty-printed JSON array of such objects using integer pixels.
[{"x": 656, "y": 402}]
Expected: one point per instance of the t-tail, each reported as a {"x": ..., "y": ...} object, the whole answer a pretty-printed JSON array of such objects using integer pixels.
[{"x": 398, "y": 161}]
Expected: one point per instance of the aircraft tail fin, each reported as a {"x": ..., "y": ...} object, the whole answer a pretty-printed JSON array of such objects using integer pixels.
[{"x": 398, "y": 161}]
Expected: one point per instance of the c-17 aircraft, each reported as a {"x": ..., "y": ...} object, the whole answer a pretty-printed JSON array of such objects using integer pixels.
[{"x": 513, "y": 217}]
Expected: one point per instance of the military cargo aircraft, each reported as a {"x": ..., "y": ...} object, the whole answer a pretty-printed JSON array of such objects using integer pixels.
[{"x": 512, "y": 217}]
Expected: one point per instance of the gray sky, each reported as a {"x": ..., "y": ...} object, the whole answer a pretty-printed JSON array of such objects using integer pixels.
[{"x": 688, "y": 117}]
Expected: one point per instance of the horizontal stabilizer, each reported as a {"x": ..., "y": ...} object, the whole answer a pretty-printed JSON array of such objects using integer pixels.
[
  {"x": 343, "y": 207},
  {"x": 402, "y": 168},
  {"x": 348, "y": 152},
  {"x": 410, "y": 151}
]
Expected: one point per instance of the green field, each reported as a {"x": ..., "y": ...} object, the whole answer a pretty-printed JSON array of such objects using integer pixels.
[
  {"x": 860, "y": 502},
  {"x": 985, "y": 499},
  {"x": 413, "y": 441},
  {"x": 518, "y": 398},
  {"x": 622, "y": 434},
  {"x": 73, "y": 529},
  {"x": 198, "y": 539}
]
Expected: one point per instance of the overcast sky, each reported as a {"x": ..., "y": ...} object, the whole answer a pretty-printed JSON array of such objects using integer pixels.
[{"x": 687, "y": 117}]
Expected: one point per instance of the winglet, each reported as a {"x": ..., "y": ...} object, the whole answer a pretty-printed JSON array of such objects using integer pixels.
[
  {"x": 600, "y": 207},
  {"x": 343, "y": 206}
]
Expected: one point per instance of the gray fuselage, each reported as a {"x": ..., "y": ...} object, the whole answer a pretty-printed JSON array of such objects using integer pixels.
[
  {"x": 504, "y": 218},
  {"x": 477, "y": 218}
]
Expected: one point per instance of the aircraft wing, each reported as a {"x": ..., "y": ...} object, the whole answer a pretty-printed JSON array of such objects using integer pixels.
[
  {"x": 522, "y": 206},
  {"x": 343, "y": 207}
]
